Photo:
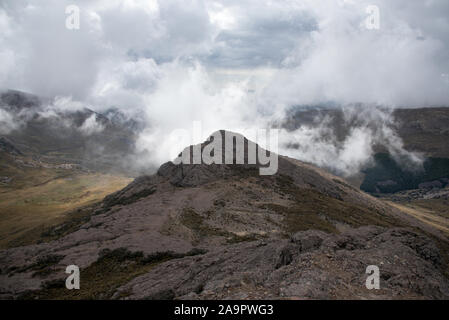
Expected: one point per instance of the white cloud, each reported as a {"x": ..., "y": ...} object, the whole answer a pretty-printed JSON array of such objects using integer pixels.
[
  {"x": 7, "y": 122},
  {"x": 344, "y": 62},
  {"x": 230, "y": 64},
  {"x": 320, "y": 49},
  {"x": 368, "y": 126},
  {"x": 91, "y": 126},
  {"x": 186, "y": 94}
]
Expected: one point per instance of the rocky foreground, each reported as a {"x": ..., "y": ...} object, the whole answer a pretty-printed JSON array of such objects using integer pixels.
[
  {"x": 312, "y": 264},
  {"x": 224, "y": 231}
]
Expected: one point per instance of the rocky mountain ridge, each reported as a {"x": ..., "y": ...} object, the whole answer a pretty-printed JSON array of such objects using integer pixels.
[{"x": 223, "y": 231}]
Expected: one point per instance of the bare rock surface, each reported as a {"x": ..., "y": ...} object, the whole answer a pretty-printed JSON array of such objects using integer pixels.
[
  {"x": 223, "y": 231},
  {"x": 311, "y": 265}
]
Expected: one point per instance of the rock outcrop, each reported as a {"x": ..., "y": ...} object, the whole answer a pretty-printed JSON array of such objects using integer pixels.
[{"x": 311, "y": 265}]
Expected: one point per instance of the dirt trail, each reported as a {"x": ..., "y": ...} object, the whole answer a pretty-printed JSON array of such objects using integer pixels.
[{"x": 427, "y": 216}]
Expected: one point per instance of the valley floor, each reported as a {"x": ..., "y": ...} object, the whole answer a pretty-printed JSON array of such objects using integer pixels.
[
  {"x": 27, "y": 212},
  {"x": 430, "y": 207}
]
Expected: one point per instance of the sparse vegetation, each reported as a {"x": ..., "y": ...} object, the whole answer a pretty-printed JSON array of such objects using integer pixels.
[
  {"x": 42, "y": 267},
  {"x": 234, "y": 238},
  {"x": 29, "y": 211},
  {"x": 195, "y": 222},
  {"x": 113, "y": 269},
  {"x": 113, "y": 200},
  {"x": 314, "y": 210},
  {"x": 245, "y": 171}
]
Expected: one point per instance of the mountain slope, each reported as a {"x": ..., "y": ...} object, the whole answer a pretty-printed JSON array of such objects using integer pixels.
[
  {"x": 35, "y": 195},
  {"x": 57, "y": 134},
  {"x": 421, "y": 130},
  {"x": 224, "y": 231},
  {"x": 49, "y": 168}
]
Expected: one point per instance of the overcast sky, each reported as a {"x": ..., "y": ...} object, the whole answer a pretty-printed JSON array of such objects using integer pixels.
[
  {"x": 291, "y": 51},
  {"x": 226, "y": 63}
]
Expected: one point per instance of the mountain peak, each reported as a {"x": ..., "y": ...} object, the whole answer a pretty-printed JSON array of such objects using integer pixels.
[{"x": 222, "y": 155}]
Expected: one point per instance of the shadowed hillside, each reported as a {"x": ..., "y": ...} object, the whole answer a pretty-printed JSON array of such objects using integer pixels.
[{"x": 422, "y": 130}]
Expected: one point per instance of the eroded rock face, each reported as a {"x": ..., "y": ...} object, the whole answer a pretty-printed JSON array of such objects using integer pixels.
[{"x": 311, "y": 265}]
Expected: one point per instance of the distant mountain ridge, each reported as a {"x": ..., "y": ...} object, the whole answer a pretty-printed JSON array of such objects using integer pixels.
[
  {"x": 422, "y": 130},
  {"x": 61, "y": 139},
  {"x": 96, "y": 141}
]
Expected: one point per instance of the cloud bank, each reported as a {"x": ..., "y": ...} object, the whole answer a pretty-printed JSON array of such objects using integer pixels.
[
  {"x": 368, "y": 127},
  {"x": 231, "y": 64}
]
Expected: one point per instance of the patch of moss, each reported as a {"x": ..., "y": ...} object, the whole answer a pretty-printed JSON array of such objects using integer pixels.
[
  {"x": 195, "y": 222},
  {"x": 45, "y": 265},
  {"x": 315, "y": 210},
  {"x": 300, "y": 219},
  {"x": 114, "y": 200},
  {"x": 77, "y": 219},
  {"x": 101, "y": 279},
  {"x": 42, "y": 267},
  {"x": 237, "y": 239}
]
